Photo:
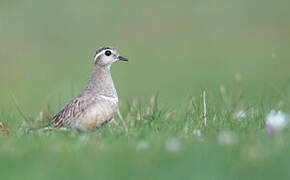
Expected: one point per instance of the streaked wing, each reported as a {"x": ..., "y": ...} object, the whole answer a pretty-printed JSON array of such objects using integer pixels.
[{"x": 70, "y": 112}]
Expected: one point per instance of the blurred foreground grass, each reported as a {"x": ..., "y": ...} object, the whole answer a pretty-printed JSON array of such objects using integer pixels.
[{"x": 153, "y": 141}]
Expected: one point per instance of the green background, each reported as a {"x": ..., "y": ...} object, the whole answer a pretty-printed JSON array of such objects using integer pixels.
[{"x": 175, "y": 48}]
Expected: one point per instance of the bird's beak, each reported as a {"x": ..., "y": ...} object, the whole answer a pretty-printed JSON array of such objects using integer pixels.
[{"x": 122, "y": 58}]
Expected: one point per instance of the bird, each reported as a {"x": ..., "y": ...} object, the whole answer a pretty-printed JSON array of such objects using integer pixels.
[
  {"x": 98, "y": 101},
  {"x": 4, "y": 129}
]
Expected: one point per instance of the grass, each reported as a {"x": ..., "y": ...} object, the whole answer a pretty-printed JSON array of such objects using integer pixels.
[{"x": 150, "y": 140}]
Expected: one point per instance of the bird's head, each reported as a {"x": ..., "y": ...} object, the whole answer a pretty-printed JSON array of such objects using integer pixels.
[{"x": 106, "y": 56}]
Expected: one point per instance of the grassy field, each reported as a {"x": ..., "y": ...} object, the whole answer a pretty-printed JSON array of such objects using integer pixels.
[{"x": 195, "y": 97}]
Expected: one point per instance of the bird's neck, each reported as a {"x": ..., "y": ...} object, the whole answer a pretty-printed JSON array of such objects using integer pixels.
[{"x": 101, "y": 82}]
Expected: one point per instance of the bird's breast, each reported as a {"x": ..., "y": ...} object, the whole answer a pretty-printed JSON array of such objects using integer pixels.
[{"x": 98, "y": 113}]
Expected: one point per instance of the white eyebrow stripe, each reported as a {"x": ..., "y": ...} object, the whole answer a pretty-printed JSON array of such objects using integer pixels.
[{"x": 100, "y": 53}]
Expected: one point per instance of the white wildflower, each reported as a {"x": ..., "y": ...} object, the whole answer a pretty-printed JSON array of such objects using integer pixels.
[
  {"x": 142, "y": 145},
  {"x": 172, "y": 145},
  {"x": 276, "y": 120},
  {"x": 84, "y": 139},
  {"x": 238, "y": 77},
  {"x": 240, "y": 114},
  {"x": 226, "y": 137},
  {"x": 197, "y": 132}
]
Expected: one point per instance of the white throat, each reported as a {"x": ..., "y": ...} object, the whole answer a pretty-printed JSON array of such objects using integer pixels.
[{"x": 108, "y": 67}]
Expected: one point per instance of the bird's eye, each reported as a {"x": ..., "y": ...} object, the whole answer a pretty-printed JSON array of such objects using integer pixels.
[{"x": 108, "y": 53}]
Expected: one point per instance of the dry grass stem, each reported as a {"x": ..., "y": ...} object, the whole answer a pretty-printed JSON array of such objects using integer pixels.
[
  {"x": 204, "y": 109},
  {"x": 225, "y": 96},
  {"x": 123, "y": 122}
]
